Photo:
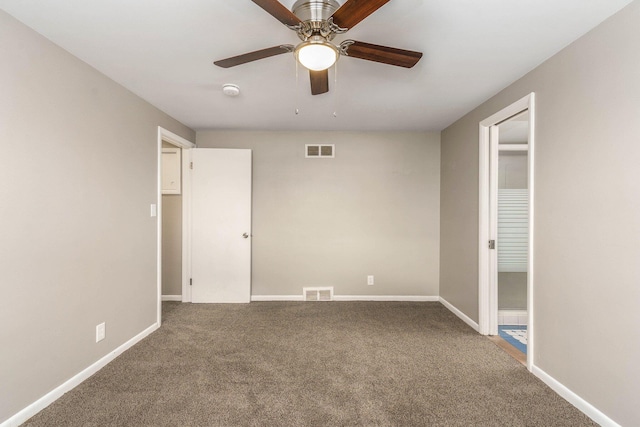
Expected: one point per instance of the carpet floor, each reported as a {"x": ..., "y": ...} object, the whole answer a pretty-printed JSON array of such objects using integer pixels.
[{"x": 312, "y": 364}]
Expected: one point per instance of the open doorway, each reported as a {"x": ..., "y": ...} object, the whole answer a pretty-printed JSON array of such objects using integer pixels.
[
  {"x": 506, "y": 225},
  {"x": 171, "y": 222},
  {"x": 513, "y": 229},
  {"x": 177, "y": 150}
]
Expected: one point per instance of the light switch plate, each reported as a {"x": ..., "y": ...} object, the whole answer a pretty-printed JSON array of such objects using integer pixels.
[{"x": 100, "y": 332}]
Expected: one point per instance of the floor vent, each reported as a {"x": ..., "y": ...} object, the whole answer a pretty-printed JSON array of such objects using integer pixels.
[
  {"x": 318, "y": 294},
  {"x": 320, "y": 150}
]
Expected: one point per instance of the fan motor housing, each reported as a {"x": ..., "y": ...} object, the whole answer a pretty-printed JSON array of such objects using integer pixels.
[{"x": 314, "y": 10}]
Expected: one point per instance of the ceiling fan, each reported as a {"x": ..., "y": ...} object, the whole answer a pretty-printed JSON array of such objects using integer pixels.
[{"x": 317, "y": 22}]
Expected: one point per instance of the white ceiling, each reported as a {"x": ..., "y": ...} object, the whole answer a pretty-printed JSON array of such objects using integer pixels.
[{"x": 163, "y": 50}]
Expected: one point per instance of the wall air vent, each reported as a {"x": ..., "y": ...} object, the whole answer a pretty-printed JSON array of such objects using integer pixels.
[
  {"x": 318, "y": 294},
  {"x": 317, "y": 151}
]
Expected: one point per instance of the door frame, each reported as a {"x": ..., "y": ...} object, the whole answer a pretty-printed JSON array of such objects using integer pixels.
[
  {"x": 184, "y": 145},
  {"x": 487, "y": 275}
]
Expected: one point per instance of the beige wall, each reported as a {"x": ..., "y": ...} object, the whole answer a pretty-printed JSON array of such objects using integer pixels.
[
  {"x": 459, "y": 217},
  {"x": 372, "y": 210},
  {"x": 77, "y": 176},
  {"x": 587, "y": 210},
  {"x": 512, "y": 291},
  {"x": 513, "y": 170},
  {"x": 172, "y": 244}
]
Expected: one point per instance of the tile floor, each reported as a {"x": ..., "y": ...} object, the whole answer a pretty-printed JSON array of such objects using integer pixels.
[{"x": 516, "y": 335}]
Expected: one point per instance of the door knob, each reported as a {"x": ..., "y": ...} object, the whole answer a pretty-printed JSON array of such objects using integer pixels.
[{"x": 245, "y": 235}]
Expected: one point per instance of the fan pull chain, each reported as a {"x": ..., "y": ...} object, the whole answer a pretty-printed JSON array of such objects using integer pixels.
[
  {"x": 297, "y": 89},
  {"x": 335, "y": 89}
]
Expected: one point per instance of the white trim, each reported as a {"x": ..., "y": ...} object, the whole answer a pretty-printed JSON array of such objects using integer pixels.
[
  {"x": 513, "y": 147},
  {"x": 46, "y": 400},
  {"x": 418, "y": 298},
  {"x": 174, "y": 139},
  {"x": 494, "y": 156},
  {"x": 466, "y": 319},
  {"x": 486, "y": 305},
  {"x": 512, "y": 312},
  {"x": 517, "y": 107},
  {"x": 513, "y": 317},
  {"x": 577, "y": 401},
  {"x": 178, "y": 141},
  {"x": 530, "y": 272},
  {"x": 483, "y": 231},
  {"x": 277, "y": 298},
  {"x": 186, "y": 224},
  {"x": 172, "y": 298}
]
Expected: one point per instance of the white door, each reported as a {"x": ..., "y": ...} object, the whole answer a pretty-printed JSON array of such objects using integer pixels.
[{"x": 220, "y": 225}]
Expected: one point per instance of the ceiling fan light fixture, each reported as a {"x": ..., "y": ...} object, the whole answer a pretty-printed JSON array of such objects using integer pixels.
[
  {"x": 316, "y": 23},
  {"x": 317, "y": 54}
]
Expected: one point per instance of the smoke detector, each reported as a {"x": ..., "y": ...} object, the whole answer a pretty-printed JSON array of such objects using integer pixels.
[{"x": 230, "y": 89}]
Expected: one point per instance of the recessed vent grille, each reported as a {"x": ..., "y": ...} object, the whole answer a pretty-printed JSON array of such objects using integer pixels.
[
  {"x": 318, "y": 294},
  {"x": 316, "y": 151}
]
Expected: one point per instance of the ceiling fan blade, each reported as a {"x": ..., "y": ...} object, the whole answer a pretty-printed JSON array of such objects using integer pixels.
[
  {"x": 278, "y": 11},
  {"x": 254, "y": 56},
  {"x": 319, "y": 82},
  {"x": 354, "y": 11},
  {"x": 383, "y": 54}
]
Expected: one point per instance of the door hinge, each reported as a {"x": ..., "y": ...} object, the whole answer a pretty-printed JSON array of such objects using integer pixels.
[
  {"x": 492, "y": 244},
  {"x": 190, "y": 282},
  {"x": 190, "y": 165}
]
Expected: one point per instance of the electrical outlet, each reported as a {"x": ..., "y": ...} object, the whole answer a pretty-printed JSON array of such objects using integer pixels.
[
  {"x": 369, "y": 280},
  {"x": 100, "y": 332}
]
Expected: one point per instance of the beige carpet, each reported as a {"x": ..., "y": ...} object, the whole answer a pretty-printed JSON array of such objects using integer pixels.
[{"x": 312, "y": 364}]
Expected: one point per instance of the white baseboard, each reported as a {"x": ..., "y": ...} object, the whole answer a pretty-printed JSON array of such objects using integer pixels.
[
  {"x": 584, "y": 406},
  {"x": 419, "y": 298},
  {"x": 513, "y": 317},
  {"x": 172, "y": 298},
  {"x": 466, "y": 319},
  {"x": 276, "y": 297},
  {"x": 348, "y": 298},
  {"x": 72, "y": 382}
]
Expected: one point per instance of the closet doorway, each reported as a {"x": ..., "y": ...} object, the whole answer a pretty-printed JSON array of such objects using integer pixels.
[
  {"x": 172, "y": 157},
  {"x": 171, "y": 222}
]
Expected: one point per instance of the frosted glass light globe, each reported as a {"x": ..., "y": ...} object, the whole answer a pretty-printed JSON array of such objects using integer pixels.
[{"x": 316, "y": 56}]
